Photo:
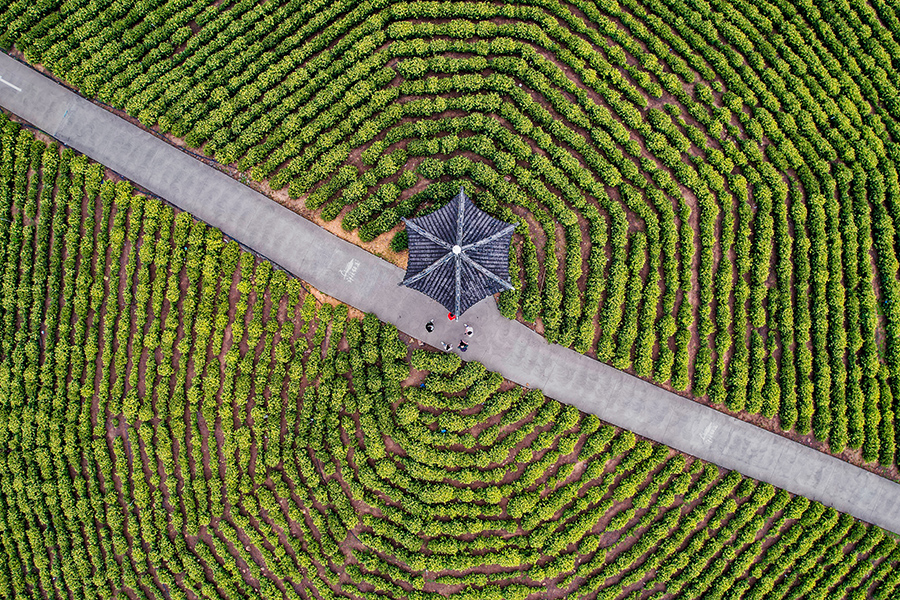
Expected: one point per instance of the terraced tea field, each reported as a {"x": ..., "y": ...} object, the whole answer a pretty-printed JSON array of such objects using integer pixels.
[
  {"x": 706, "y": 192},
  {"x": 180, "y": 420}
]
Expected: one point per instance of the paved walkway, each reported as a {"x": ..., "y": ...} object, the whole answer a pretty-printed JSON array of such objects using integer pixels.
[{"x": 369, "y": 283}]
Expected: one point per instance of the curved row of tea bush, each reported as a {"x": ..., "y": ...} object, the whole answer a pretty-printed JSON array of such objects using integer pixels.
[{"x": 180, "y": 420}]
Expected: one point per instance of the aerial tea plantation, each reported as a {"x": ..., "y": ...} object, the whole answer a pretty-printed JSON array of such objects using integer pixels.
[
  {"x": 180, "y": 420},
  {"x": 706, "y": 191}
]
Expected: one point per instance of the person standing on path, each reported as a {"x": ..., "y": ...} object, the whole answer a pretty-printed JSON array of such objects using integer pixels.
[
  {"x": 469, "y": 330},
  {"x": 447, "y": 347},
  {"x": 463, "y": 346},
  {"x": 429, "y": 326}
]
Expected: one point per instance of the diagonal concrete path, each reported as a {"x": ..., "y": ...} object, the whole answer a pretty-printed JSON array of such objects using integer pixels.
[{"x": 366, "y": 282}]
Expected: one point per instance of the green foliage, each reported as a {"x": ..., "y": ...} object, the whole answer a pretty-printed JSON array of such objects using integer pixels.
[
  {"x": 737, "y": 241},
  {"x": 446, "y": 363}
]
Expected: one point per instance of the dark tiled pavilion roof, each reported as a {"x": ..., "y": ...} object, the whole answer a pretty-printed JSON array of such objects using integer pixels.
[{"x": 458, "y": 254}]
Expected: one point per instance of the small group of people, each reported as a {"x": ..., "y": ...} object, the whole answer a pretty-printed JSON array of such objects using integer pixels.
[{"x": 463, "y": 345}]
